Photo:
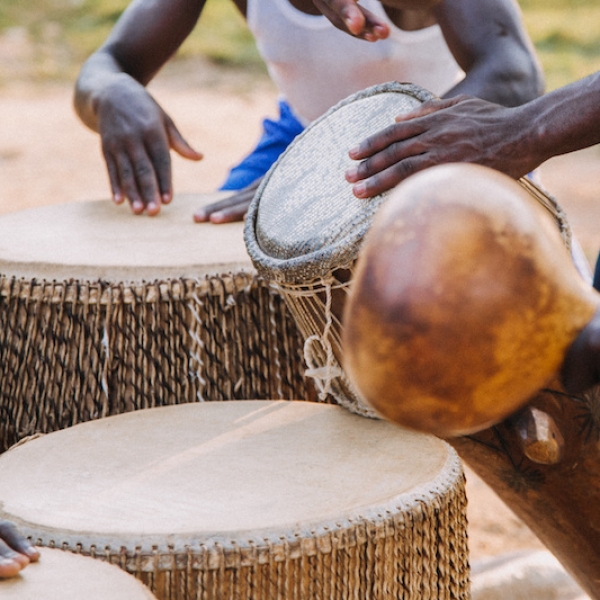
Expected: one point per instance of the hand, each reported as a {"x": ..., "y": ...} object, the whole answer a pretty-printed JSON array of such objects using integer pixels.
[
  {"x": 348, "y": 16},
  {"x": 232, "y": 208},
  {"x": 461, "y": 129},
  {"x": 136, "y": 137},
  {"x": 15, "y": 551}
]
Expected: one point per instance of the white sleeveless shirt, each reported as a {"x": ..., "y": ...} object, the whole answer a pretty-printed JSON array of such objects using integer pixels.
[{"x": 314, "y": 65}]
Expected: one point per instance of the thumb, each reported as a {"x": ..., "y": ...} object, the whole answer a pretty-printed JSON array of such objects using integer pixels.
[{"x": 178, "y": 143}]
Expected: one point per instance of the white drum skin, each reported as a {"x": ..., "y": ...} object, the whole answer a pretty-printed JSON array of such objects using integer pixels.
[
  {"x": 60, "y": 575},
  {"x": 240, "y": 499}
]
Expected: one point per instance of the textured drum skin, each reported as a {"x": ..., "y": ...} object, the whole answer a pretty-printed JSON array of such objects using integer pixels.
[{"x": 249, "y": 499}]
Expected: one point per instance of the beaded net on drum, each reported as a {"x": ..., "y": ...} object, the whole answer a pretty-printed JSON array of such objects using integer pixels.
[{"x": 304, "y": 227}]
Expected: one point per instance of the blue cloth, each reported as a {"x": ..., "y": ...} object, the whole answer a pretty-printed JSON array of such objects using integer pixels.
[{"x": 276, "y": 137}]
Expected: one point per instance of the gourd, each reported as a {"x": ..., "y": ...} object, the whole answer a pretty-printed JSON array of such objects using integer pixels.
[{"x": 463, "y": 304}]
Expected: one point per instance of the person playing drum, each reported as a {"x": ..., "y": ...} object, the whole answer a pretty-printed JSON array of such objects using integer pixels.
[
  {"x": 450, "y": 48},
  {"x": 15, "y": 551}
]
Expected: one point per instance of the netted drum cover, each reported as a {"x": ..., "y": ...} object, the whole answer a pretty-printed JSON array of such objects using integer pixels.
[
  {"x": 251, "y": 500},
  {"x": 304, "y": 227},
  {"x": 103, "y": 312}
]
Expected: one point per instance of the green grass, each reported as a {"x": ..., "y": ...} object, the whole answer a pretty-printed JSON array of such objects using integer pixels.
[
  {"x": 62, "y": 33},
  {"x": 566, "y": 34}
]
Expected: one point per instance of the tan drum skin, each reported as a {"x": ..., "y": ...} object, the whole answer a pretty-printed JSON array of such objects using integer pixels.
[
  {"x": 103, "y": 312},
  {"x": 63, "y": 575},
  {"x": 249, "y": 499}
]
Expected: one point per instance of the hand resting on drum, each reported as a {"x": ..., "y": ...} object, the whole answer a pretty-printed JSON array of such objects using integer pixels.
[
  {"x": 512, "y": 140},
  {"x": 136, "y": 135},
  {"x": 15, "y": 551},
  {"x": 232, "y": 208}
]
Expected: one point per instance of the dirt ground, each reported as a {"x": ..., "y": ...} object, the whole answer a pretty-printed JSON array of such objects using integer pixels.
[{"x": 47, "y": 156}]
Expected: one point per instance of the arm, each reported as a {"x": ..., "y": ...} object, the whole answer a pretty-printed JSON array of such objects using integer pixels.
[
  {"x": 15, "y": 551},
  {"x": 489, "y": 42},
  {"x": 465, "y": 129},
  {"x": 111, "y": 99}
]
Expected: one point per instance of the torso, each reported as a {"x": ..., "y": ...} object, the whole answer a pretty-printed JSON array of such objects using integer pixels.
[
  {"x": 315, "y": 65},
  {"x": 407, "y": 19}
]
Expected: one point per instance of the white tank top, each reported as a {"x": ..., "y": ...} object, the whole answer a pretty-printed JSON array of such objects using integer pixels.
[{"x": 314, "y": 65}]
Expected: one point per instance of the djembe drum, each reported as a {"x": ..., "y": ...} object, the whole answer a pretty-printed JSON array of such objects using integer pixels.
[
  {"x": 66, "y": 576},
  {"x": 102, "y": 312},
  {"x": 249, "y": 499},
  {"x": 466, "y": 311},
  {"x": 304, "y": 226}
]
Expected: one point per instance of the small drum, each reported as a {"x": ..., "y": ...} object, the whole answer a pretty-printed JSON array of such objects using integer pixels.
[
  {"x": 66, "y": 576},
  {"x": 305, "y": 227},
  {"x": 249, "y": 499},
  {"x": 103, "y": 312}
]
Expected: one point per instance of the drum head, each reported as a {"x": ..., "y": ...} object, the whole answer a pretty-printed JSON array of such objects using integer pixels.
[
  {"x": 216, "y": 471},
  {"x": 61, "y": 575},
  {"x": 98, "y": 240},
  {"x": 304, "y": 220}
]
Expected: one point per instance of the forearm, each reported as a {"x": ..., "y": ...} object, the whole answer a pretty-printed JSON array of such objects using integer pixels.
[
  {"x": 565, "y": 120},
  {"x": 144, "y": 38},
  {"x": 489, "y": 42},
  {"x": 510, "y": 79}
]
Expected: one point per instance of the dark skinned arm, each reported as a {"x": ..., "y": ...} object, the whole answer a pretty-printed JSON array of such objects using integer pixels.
[
  {"x": 488, "y": 41},
  {"x": 111, "y": 99}
]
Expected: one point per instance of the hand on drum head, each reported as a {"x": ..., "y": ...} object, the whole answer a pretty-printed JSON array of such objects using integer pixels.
[
  {"x": 461, "y": 129},
  {"x": 136, "y": 138},
  {"x": 348, "y": 16},
  {"x": 15, "y": 551},
  {"x": 233, "y": 208}
]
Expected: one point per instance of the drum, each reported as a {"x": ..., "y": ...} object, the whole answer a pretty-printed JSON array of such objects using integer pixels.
[
  {"x": 305, "y": 227},
  {"x": 472, "y": 346},
  {"x": 66, "y": 576},
  {"x": 249, "y": 499},
  {"x": 103, "y": 312}
]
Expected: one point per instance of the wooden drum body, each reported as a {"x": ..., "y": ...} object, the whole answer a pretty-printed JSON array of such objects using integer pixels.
[
  {"x": 66, "y": 576},
  {"x": 103, "y": 312},
  {"x": 252, "y": 500}
]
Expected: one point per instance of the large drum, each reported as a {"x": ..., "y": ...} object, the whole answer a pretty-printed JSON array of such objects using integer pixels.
[
  {"x": 103, "y": 312},
  {"x": 253, "y": 499},
  {"x": 66, "y": 576}
]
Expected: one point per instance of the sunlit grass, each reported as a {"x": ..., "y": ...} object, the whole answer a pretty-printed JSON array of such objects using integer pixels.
[{"x": 566, "y": 35}]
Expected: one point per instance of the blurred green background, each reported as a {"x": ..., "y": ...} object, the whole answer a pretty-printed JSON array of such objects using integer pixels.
[{"x": 53, "y": 37}]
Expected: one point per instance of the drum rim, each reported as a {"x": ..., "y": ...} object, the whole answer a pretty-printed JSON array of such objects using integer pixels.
[{"x": 316, "y": 264}]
